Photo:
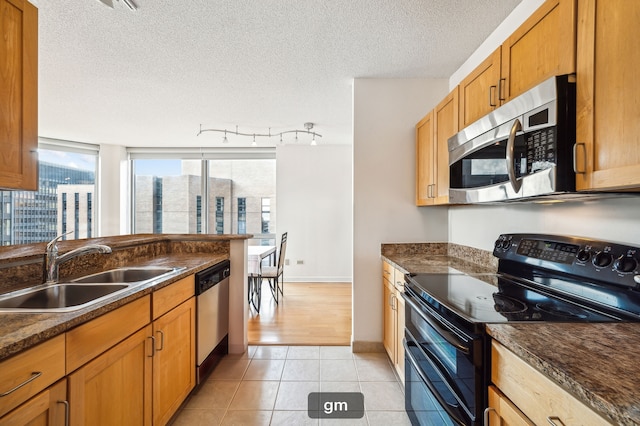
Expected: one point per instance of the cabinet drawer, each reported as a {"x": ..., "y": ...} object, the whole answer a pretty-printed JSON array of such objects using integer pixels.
[
  {"x": 93, "y": 338},
  {"x": 44, "y": 364},
  {"x": 534, "y": 394},
  {"x": 387, "y": 271},
  {"x": 172, "y": 295}
]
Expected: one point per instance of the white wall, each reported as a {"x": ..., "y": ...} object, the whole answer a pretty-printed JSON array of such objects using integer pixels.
[
  {"x": 479, "y": 226},
  {"x": 313, "y": 187},
  {"x": 384, "y": 119},
  {"x": 112, "y": 186}
]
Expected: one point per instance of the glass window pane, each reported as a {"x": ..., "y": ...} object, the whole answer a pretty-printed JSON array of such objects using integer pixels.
[
  {"x": 38, "y": 216},
  {"x": 167, "y": 196}
]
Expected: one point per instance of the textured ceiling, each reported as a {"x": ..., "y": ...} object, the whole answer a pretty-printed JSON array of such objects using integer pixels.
[{"x": 151, "y": 77}]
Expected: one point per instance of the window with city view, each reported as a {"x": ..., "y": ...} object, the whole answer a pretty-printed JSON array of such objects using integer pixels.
[
  {"x": 168, "y": 196},
  {"x": 63, "y": 202}
]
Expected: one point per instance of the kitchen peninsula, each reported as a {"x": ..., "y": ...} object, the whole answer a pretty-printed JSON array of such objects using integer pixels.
[{"x": 141, "y": 339}]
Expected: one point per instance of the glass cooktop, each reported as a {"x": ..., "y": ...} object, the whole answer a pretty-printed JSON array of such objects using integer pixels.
[{"x": 495, "y": 299}]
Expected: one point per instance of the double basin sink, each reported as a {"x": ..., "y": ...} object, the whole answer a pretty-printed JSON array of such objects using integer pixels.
[{"x": 81, "y": 292}]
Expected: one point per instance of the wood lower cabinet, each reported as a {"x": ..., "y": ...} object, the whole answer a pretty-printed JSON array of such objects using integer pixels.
[
  {"x": 531, "y": 396},
  {"x": 18, "y": 95},
  {"x": 25, "y": 374},
  {"x": 502, "y": 412},
  {"x": 116, "y": 387},
  {"x": 608, "y": 96},
  {"x": 174, "y": 360},
  {"x": 48, "y": 408},
  {"x": 393, "y": 317}
]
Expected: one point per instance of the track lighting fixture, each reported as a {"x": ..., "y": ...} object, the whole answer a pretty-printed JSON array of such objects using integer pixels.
[
  {"x": 308, "y": 130},
  {"x": 129, "y": 3}
]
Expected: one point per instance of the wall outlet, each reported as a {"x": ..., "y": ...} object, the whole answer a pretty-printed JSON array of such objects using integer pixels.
[
  {"x": 286, "y": 261},
  {"x": 299, "y": 262}
]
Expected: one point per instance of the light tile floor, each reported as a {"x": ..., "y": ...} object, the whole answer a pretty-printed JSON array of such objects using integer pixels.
[{"x": 269, "y": 385}]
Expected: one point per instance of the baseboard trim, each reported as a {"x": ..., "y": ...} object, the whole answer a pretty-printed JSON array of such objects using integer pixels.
[{"x": 360, "y": 346}]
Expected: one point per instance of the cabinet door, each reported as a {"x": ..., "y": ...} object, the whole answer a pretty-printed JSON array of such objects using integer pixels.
[
  {"x": 45, "y": 409},
  {"x": 115, "y": 388},
  {"x": 399, "y": 364},
  {"x": 445, "y": 125},
  {"x": 18, "y": 95},
  {"x": 502, "y": 411},
  {"x": 424, "y": 161},
  {"x": 389, "y": 330},
  {"x": 479, "y": 90},
  {"x": 174, "y": 360},
  {"x": 608, "y": 95},
  {"x": 543, "y": 46}
]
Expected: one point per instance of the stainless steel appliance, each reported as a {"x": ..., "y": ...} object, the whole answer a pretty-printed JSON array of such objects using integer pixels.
[
  {"x": 539, "y": 278},
  {"x": 520, "y": 150},
  {"x": 212, "y": 317}
]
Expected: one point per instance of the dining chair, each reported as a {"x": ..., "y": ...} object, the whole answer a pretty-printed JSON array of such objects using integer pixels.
[{"x": 274, "y": 274}]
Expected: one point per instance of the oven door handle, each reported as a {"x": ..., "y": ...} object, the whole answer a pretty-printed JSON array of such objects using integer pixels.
[
  {"x": 449, "y": 335},
  {"x": 444, "y": 404}
]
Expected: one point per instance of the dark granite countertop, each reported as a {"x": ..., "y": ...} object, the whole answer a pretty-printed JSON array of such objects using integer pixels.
[
  {"x": 597, "y": 363},
  {"x": 20, "y": 331}
]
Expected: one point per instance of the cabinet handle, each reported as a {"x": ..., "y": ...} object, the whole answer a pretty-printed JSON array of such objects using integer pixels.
[
  {"x": 487, "y": 410},
  {"x": 575, "y": 157},
  {"x": 66, "y": 412},
  {"x": 153, "y": 346},
  {"x": 500, "y": 91},
  {"x": 34, "y": 376},
  {"x": 553, "y": 419},
  {"x": 492, "y": 90},
  {"x": 161, "y": 341}
]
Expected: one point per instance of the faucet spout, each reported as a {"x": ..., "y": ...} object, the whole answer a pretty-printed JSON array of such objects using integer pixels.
[{"x": 53, "y": 261}]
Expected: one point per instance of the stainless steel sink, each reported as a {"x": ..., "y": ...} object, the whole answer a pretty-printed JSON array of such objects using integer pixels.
[
  {"x": 126, "y": 275},
  {"x": 81, "y": 292},
  {"x": 57, "y": 297}
]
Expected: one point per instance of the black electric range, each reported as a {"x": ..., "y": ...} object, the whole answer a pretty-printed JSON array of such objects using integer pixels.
[{"x": 539, "y": 278}]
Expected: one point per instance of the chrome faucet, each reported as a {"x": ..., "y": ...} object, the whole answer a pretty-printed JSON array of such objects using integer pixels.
[{"x": 52, "y": 261}]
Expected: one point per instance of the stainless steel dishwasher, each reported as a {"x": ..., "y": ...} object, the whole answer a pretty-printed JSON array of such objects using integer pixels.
[{"x": 212, "y": 319}]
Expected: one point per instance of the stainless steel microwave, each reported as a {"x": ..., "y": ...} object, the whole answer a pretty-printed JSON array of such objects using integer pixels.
[{"x": 521, "y": 150}]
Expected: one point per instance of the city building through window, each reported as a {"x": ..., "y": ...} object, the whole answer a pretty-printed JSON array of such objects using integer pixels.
[{"x": 66, "y": 171}]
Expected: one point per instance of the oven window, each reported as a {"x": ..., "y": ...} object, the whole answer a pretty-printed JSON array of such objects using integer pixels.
[{"x": 441, "y": 361}]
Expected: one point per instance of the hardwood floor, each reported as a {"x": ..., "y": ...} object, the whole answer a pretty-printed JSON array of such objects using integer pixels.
[{"x": 308, "y": 314}]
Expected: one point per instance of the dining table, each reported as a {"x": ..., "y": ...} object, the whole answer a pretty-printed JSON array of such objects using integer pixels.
[{"x": 255, "y": 258}]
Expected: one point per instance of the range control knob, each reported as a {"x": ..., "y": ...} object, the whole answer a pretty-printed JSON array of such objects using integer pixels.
[
  {"x": 625, "y": 264},
  {"x": 602, "y": 259},
  {"x": 583, "y": 255},
  {"x": 498, "y": 243},
  {"x": 506, "y": 244}
]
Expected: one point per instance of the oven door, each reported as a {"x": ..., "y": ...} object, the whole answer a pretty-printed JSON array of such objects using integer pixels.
[{"x": 443, "y": 384}]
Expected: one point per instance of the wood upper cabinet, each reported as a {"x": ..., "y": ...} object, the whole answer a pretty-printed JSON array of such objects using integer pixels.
[
  {"x": 608, "y": 96},
  {"x": 543, "y": 46},
  {"x": 445, "y": 121},
  {"x": 18, "y": 95},
  {"x": 479, "y": 90},
  {"x": 424, "y": 160},
  {"x": 432, "y": 154}
]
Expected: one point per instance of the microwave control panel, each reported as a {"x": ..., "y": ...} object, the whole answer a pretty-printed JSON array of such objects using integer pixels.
[{"x": 541, "y": 149}]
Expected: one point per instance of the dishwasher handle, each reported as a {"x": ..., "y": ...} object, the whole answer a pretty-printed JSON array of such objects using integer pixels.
[{"x": 212, "y": 276}]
